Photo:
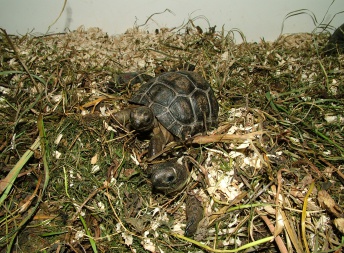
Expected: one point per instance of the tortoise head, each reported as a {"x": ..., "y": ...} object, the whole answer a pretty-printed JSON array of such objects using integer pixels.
[
  {"x": 141, "y": 118},
  {"x": 170, "y": 176}
]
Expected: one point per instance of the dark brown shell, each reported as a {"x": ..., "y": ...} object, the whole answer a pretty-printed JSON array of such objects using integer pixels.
[{"x": 181, "y": 101}]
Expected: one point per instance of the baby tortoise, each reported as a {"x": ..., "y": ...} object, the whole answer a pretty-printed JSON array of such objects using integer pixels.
[
  {"x": 173, "y": 105},
  {"x": 335, "y": 44}
]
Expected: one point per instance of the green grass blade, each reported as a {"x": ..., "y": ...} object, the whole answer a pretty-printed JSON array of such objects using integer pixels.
[
  {"x": 92, "y": 241},
  {"x": 7, "y": 183}
]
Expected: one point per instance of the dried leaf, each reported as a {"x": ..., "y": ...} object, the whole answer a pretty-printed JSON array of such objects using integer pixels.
[
  {"x": 327, "y": 202},
  {"x": 339, "y": 223},
  {"x": 94, "y": 159}
]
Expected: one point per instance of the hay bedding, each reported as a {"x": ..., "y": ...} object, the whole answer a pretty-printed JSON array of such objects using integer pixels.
[{"x": 273, "y": 167}]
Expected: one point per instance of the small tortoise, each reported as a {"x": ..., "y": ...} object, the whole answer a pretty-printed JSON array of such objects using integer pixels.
[
  {"x": 173, "y": 105},
  {"x": 335, "y": 44}
]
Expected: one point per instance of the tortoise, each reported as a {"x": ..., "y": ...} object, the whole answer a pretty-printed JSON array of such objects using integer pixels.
[
  {"x": 335, "y": 44},
  {"x": 173, "y": 106}
]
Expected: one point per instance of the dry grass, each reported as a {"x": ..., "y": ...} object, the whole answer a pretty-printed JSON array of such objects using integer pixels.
[{"x": 82, "y": 186}]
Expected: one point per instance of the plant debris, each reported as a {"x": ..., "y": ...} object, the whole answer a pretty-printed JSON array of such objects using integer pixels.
[{"x": 270, "y": 177}]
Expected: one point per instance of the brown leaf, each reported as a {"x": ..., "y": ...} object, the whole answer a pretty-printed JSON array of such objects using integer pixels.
[
  {"x": 339, "y": 223},
  {"x": 327, "y": 202}
]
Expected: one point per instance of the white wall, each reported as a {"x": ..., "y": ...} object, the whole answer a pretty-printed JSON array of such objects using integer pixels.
[{"x": 255, "y": 18}]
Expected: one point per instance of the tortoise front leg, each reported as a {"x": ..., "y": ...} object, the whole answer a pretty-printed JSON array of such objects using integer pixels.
[
  {"x": 194, "y": 214},
  {"x": 160, "y": 138},
  {"x": 156, "y": 144}
]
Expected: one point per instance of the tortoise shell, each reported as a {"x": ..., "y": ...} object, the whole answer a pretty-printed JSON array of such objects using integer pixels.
[{"x": 183, "y": 102}]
